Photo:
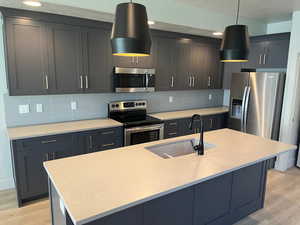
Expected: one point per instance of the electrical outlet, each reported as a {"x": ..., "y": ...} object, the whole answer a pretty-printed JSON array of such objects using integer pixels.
[
  {"x": 74, "y": 105},
  {"x": 23, "y": 109},
  {"x": 210, "y": 97},
  {"x": 171, "y": 99},
  {"x": 39, "y": 108}
]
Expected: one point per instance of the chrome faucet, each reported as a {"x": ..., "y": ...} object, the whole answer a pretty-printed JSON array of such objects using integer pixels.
[{"x": 200, "y": 147}]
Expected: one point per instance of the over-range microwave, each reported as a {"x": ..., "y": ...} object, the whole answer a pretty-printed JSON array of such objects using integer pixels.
[{"x": 134, "y": 79}]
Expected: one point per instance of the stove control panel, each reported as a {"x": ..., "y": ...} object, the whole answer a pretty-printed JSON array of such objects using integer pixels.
[{"x": 127, "y": 105}]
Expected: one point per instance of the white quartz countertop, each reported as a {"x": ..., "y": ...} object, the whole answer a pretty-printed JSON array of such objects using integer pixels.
[
  {"x": 94, "y": 185},
  {"x": 60, "y": 128},
  {"x": 190, "y": 113}
]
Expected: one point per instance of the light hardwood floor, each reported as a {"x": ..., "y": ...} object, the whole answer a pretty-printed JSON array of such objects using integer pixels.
[{"x": 282, "y": 206}]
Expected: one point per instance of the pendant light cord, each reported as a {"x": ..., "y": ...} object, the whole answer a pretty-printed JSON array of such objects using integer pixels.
[{"x": 238, "y": 12}]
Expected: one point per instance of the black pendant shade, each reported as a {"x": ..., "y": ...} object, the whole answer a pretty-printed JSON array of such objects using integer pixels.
[
  {"x": 130, "y": 33},
  {"x": 235, "y": 44}
]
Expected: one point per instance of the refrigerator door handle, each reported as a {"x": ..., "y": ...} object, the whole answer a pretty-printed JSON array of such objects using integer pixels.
[
  {"x": 243, "y": 108},
  {"x": 246, "y": 108}
]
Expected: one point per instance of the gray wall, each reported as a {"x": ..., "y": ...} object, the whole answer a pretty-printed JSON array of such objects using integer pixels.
[{"x": 57, "y": 108}]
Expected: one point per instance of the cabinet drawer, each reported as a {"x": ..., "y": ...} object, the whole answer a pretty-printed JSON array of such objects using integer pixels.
[
  {"x": 46, "y": 143},
  {"x": 105, "y": 139},
  {"x": 172, "y": 128}
]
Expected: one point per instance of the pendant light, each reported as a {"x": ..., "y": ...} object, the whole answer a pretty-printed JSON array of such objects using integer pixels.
[
  {"x": 235, "y": 42},
  {"x": 130, "y": 33}
]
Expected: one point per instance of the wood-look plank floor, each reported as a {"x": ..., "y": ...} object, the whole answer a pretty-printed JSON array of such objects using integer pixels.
[{"x": 282, "y": 206}]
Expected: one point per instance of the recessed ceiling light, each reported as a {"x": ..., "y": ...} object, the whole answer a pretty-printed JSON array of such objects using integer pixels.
[
  {"x": 217, "y": 33},
  {"x": 150, "y": 22},
  {"x": 32, "y": 3}
]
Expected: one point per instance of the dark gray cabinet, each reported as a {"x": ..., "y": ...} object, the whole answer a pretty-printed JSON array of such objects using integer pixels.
[
  {"x": 217, "y": 205},
  {"x": 65, "y": 58},
  {"x": 222, "y": 200},
  {"x": 27, "y": 65},
  {"x": 97, "y": 75},
  {"x": 181, "y": 127},
  {"x": 28, "y": 158},
  {"x": 165, "y": 74},
  {"x": 103, "y": 139},
  {"x": 268, "y": 51},
  {"x": 29, "y": 155},
  {"x": 173, "y": 209},
  {"x": 213, "y": 78}
]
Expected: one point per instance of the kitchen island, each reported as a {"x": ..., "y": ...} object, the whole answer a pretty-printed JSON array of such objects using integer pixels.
[{"x": 133, "y": 186}]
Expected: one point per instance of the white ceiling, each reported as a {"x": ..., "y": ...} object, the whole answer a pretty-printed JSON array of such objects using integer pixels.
[{"x": 268, "y": 10}]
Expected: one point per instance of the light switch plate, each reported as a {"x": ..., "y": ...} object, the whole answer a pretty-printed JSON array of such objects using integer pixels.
[
  {"x": 39, "y": 108},
  {"x": 23, "y": 109},
  {"x": 74, "y": 105},
  {"x": 210, "y": 97},
  {"x": 171, "y": 99}
]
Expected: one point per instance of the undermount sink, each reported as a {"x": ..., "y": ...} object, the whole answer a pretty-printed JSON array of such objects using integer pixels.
[{"x": 178, "y": 148}]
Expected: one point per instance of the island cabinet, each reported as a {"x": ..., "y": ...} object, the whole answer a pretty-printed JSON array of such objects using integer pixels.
[
  {"x": 181, "y": 127},
  {"x": 222, "y": 200},
  {"x": 29, "y": 155}
]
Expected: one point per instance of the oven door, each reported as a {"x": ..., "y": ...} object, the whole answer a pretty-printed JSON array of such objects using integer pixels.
[
  {"x": 138, "y": 135},
  {"x": 134, "y": 80}
]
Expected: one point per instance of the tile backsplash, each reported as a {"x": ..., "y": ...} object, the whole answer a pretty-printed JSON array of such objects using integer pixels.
[{"x": 57, "y": 108}]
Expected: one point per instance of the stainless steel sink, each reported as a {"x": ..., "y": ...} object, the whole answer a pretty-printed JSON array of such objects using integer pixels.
[{"x": 178, "y": 148}]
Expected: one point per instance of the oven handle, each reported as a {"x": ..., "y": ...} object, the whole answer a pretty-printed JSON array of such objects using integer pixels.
[{"x": 144, "y": 128}]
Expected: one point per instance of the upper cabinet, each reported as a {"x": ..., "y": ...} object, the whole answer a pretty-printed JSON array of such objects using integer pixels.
[
  {"x": 26, "y": 50},
  {"x": 268, "y": 51}
]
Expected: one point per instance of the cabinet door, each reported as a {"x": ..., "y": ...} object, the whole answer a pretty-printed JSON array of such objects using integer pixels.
[
  {"x": 212, "y": 200},
  {"x": 97, "y": 74},
  {"x": 247, "y": 186},
  {"x": 31, "y": 175},
  {"x": 198, "y": 69},
  {"x": 276, "y": 55},
  {"x": 26, "y": 57},
  {"x": 213, "y": 78},
  {"x": 185, "y": 126},
  {"x": 165, "y": 75},
  {"x": 65, "y": 58},
  {"x": 257, "y": 50},
  {"x": 172, "y": 209},
  {"x": 183, "y": 65}
]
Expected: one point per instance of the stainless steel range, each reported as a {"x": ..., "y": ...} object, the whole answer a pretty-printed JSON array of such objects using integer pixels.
[{"x": 138, "y": 126}]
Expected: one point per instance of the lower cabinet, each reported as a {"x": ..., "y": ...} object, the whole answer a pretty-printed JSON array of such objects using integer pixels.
[
  {"x": 223, "y": 200},
  {"x": 181, "y": 127},
  {"x": 103, "y": 139},
  {"x": 30, "y": 154}
]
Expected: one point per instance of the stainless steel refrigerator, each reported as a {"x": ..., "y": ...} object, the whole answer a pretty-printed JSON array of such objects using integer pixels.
[{"x": 256, "y": 102}]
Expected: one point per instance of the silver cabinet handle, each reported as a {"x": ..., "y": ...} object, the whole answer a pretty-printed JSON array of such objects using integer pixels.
[
  {"x": 211, "y": 123},
  {"x": 48, "y": 142},
  {"x": 53, "y": 155},
  {"x": 108, "y": 132},
  {"x": 190, "y": 81},
  {"x": 260, "y": 57},
  {"x": 173, "y": 124},
  {"x": 81, "y": 82},
  {"x": 147, "y": 80},
  {"x": 209, "y": 81},
  {"x": 107, "y": 145},
  {"x": 47, "y": 157},
  {"x": 137, "y": 60},
  {"x": 172, "y": 81},
  {"x": 86, "y": 82},
  {"x": 174, "y": 133},
  {"x": 46, "y": 82},
  {"x": 265, "y": 59}
]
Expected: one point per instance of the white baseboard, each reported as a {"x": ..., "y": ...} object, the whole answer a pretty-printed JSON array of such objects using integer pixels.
[{"x": 6, "y": 183}]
